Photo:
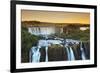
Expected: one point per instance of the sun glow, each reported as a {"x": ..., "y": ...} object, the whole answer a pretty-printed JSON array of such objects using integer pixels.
[{"x": 55, "y": 17}]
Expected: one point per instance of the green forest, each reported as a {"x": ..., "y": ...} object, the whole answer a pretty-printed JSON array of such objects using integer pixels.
[{"x": 27, "y": 41}]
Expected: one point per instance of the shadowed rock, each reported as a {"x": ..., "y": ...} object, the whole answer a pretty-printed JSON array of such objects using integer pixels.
[
  {"x": 43, "y": 54},
  {"x": 86, "y": 46},
  {"x": 57, "y": 53},
  {"x": 77, "y": 52}
]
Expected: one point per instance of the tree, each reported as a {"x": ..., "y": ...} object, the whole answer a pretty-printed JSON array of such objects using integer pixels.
[{"x": 27, "y": 41}]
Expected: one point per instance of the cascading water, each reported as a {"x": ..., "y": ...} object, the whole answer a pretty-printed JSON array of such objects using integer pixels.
[
  {"x": 82, "y": 52},
  {"x": 41, "y": 30},
  {"x": 46, "y": 49},
  {"x": 35, "y": 54},
  {"x": 46, "y": 59},
  {"x": 72, "y": 57},
  {"x": 68, "y": 53}
]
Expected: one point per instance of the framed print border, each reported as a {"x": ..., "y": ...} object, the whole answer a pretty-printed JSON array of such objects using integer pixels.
[{"x": 13, "y": 35}]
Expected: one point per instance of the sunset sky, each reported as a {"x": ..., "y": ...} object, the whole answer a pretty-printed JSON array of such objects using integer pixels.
[{"x": 55, "y": 17}]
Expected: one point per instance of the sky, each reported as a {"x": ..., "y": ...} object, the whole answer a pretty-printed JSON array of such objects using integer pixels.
[{"x": 55, "y": 17}]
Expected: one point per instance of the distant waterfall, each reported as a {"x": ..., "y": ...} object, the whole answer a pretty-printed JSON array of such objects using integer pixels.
[
  {"x": 46, "y": 59},
  {"x": 82, "y": 52},
  {"x": 41, "y": 30},
  {"x": 35, "y": 54}
]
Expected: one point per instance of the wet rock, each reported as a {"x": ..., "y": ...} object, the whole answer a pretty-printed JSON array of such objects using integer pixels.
[
  {"x": 43, "y": 54},
  {"x": 77, "y": 53},
  {"x": 86, "y": 46},
  {"x": 57, "y": 53}
]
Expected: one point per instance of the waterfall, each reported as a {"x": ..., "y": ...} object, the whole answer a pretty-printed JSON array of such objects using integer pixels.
[
  {"x": 46, "y": 59},
  {"x": 72, "y": 57},
  {"x": 68, "y": 53},
  {"x": 46, "y": 49},
  {"x": 35, "y": 54},
  {"x": 82, "y": 52},
  {"x": 42, "y": 30}
]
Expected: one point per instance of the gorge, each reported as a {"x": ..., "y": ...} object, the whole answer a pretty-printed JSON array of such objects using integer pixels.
[
  {"x": 46, "y": 42},
  {"x": 53, "y": 50}
]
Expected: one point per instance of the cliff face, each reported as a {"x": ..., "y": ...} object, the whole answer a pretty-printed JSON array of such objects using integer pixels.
[
  {"x": 86, "y": 47},
  {"x": 43, "y": 54},
  {"x": 77, "y": 53},
  {"x": 59, "y": 53}
]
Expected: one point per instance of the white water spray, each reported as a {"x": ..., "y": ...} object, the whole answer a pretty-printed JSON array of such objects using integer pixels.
[{"x": 82, "y": 52}]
